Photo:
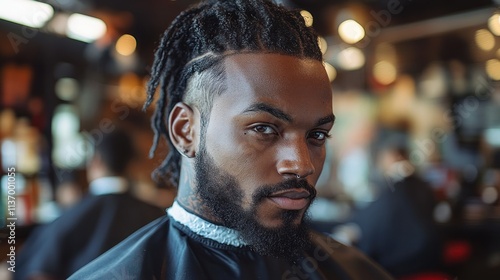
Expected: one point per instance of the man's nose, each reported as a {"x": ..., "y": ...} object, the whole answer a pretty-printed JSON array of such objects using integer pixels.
[{"x": 294, "y": 159}]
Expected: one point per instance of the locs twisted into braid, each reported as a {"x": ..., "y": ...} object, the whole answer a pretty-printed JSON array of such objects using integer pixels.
[{"x": 198, "y": 39}]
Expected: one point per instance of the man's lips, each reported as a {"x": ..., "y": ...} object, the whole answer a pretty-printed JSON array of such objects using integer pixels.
[{"x": 294, "y": 199}]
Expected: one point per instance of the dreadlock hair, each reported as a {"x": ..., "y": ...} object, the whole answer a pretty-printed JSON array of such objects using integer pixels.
[{"x": 187, "y": 66}]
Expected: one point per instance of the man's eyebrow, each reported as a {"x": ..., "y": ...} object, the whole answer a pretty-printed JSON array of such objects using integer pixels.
[
  {"x": 325, "y": 120},
  {"x": 263, "y": 107}
]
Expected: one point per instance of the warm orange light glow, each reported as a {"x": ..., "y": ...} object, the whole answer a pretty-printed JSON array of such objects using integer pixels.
[
  {"x": 485, "y": 40},
  {"x": 308, "y": 18},
  {"x": 493, "y": 69},
  {"x": 126, "y": 45},
  {"x": 385, "y": 72},
  {"x": 494, "y": 24},
  {"x": 351, "y": 32}
]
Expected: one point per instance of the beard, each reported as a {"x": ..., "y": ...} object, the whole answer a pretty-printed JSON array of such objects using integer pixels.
[{"x": 222, "y": 196}]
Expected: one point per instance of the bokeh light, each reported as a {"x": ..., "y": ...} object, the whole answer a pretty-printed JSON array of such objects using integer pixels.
[{"x": 351, "y": 31}]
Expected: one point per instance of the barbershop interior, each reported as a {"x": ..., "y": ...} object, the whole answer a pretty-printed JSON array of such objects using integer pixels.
[{"x": 416, "y": 92}]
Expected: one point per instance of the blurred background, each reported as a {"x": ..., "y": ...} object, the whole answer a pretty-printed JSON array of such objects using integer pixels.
[{"x": 423, "y": 75}]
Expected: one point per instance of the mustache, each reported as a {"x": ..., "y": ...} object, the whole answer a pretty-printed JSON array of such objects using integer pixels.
[{"x": 267, "y": 190}]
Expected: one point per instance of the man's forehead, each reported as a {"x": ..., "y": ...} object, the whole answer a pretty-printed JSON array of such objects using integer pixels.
[
  {"x": 270, "y": 70},
  {"x": 287, "y": 83},
  {"x": 266, "y": 59}
]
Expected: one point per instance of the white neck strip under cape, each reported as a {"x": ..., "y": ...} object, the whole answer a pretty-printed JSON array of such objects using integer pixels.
[
  {"x": 204, "y": 228},
  {"x": 108, "y": 185}
]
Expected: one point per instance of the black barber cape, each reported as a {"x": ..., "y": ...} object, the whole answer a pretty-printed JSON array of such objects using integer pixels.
[
  {"x": 87, "y": 230},
  {"x": 168, "y": 249}
]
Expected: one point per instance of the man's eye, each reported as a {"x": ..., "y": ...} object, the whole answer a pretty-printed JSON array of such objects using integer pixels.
[
  {"x": 319, "y": 135},
  {"x": 264, "y": 129}
]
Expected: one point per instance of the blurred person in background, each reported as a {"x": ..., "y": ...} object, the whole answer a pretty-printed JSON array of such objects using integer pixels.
[
  {"x": 398, "y": 230},
  {"x": 106, "y": 216}
]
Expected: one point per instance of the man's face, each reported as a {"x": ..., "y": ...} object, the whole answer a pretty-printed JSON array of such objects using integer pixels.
[{"x": 269, "y": 127}]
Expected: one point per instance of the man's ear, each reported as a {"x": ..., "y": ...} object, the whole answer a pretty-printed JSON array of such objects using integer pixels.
[{"x": 182, "y": 129}]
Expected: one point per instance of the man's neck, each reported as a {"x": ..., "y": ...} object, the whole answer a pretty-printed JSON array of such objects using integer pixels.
[{"x": 187, "y": 196}]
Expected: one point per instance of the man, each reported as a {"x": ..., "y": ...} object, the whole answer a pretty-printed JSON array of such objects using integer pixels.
[
  {"x": 246, "y": 106},
  {"x": 398, "y": 229},
  {"x": 101, "y": 220},
  {"x": 405, "y": 240}
]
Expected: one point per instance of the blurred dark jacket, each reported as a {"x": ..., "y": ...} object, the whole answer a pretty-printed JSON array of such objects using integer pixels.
[
  {"x": 84, "y": 232},
  {"x": 398, "y": 229}
]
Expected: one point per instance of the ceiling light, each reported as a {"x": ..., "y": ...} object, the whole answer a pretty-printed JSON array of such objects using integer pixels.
[
  {"x": 125, "y": 45},
  {"x": 351, "y": 58},
  {"x": 323, "y": 45},
  {"x": 351, "y": 32},
  {"x": 384, "y": 72},
  {"x": 308, "y": 18},
  {"x": 26, "y": 12},
  {"x": 493, "y": 69},
  {"x": 494, "y": 24},
  {"x": 85, "y": 28},
  {"x": 485, "y": 40}
]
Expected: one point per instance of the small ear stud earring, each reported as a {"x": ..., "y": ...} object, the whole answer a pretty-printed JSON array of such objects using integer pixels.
[
  {"x": 184, "y": 152},
  {"x": 298, "y": 176}
]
